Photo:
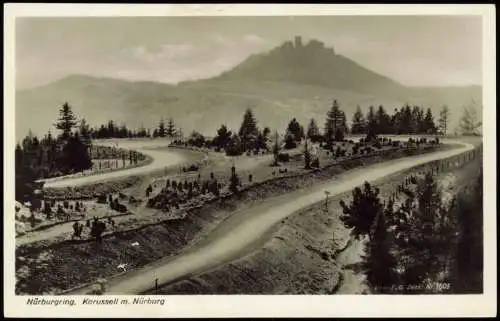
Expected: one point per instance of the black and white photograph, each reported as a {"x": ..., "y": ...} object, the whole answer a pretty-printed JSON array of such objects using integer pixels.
[{"x": 193, "y": 155}]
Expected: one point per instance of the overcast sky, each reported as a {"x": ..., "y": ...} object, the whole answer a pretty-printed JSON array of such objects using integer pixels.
[{"x": 416, "y": 51}]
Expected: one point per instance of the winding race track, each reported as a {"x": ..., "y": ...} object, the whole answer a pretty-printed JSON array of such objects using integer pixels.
[
  {"x": 161, "y": 159},
  {"x": 239, "y": 234}
]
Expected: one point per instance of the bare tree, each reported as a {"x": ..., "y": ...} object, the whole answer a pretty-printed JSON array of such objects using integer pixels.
[
  {"x": 470, "y": 124},
  {"x": 276, "y": 149}
]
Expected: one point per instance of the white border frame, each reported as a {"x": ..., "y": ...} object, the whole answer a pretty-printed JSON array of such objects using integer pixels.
[{"x": 262, "y": 305}]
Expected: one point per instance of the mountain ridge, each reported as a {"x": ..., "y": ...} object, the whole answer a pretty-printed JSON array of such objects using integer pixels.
[{"x": 291, "y": 79}]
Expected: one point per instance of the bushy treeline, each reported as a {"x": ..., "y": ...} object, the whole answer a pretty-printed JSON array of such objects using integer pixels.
[
  {"x": 111, "y": 130},
  {"x": 249, "y": 137},
  {"x": 167, "y": 130},
  {"x": 406, "y": 120},
  {"x": 251, "y": 140},
  {"x": 175, "y": 193},
  {"x": 51, "y": 156},
  {"x": 423, "y": 245}
]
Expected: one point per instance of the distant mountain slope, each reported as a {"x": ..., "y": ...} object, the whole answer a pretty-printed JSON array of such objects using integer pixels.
[
  {"x": 289, "y": 81},
  {"x": 311, "y": 64}
]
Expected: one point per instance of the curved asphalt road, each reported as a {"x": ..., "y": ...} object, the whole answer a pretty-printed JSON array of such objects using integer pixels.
[
  {"x": 235, "y": 236},
  {"x": 161, "y": 159}
]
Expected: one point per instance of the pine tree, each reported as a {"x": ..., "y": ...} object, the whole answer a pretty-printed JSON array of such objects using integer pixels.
[
  {"x": 313, "y": 131},
  {"x": 378, "y": 262},
  {"x": 405, "y": 120},
  {"x": 361, "y": 213},
  {"x": 424, "y": 245},
  {"x": 180, "y": 134},
  {"x": 429, "y": 199},
  {"x": 248, "y": 131},
  {"x": 335, "y": 120},
  {"x": 170, "y": 131},
  {"x": 66, "y": 121},
  {"x": 161, "y": 128},
  {"x": 233, "y": 147},
  {"x": 142, "y": 131},
  {"x": 102, "y": 132},
  {"x": 395, "y": 120},
  {"x": 222, "y": 138},
  {"x": 383, "y": 121},
  {"x": 429, "y": 126},
  {"x": 371, "y": 126},
  {"x": 266, "y": 131},
  {"x": 417, "y": 120},
  {"x": 344, "y": 128},
  {"x": 263, "y": 138},
  {"x": 339, "y": 135},
  {"x": 75, "y": 153},
  {"x": 390, "y": 214},
  {"x": 358, "y": 122},
  {"x": 25, "y": 176},
  {"x": 290, "y": 142},
  {"x": 444, "y": 116},
  {"x": 307, "y": 156},
  {"x": 123, "y": 131},
  {"x": 111, "y": 129},
  {"x": 85, "y": 132},
  {"x": 51, "y": 151},
  {"x": 50, "y": 138},
  {"x": 295, "y": 130}
]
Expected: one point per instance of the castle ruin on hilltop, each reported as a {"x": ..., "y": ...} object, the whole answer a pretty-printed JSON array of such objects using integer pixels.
[{"x": 297, "y": 43}]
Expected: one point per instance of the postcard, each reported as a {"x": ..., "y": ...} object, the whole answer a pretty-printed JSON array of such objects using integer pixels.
[{"x": 249, "y": 160}]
